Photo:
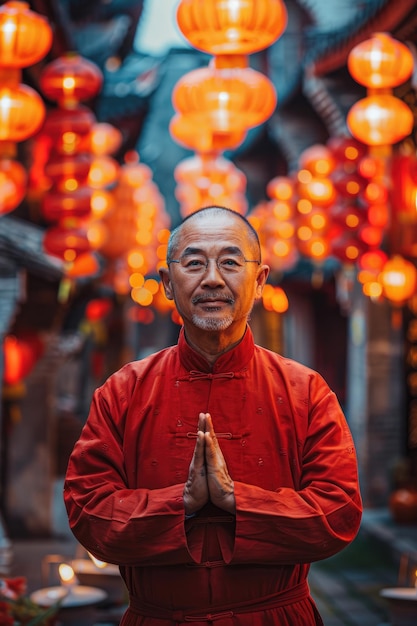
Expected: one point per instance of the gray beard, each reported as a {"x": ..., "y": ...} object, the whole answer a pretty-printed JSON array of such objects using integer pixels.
[{"x": 212, "y": 323}]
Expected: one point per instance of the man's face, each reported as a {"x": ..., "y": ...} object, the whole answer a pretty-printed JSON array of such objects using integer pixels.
[{"x": 212, "y": 298}]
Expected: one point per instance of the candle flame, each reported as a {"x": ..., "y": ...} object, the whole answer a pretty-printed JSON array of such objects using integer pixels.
[
  {"x": 66, "y": 574},
  {"x": 97, "y": 563}
]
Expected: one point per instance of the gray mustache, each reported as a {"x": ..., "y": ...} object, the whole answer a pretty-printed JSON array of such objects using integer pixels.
[{"x": 212, "y": 298}]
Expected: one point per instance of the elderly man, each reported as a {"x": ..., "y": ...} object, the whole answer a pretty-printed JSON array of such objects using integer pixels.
[{"x": 207, "y": 471}]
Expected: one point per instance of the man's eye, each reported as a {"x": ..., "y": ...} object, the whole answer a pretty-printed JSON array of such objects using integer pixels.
[
  {"x": 194, "y": 263},
  {"x": 229, "y": 263}
]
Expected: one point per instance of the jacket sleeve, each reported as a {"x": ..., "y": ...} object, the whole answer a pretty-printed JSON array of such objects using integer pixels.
[
  {"x": 115, "y": 523},
  {"x": 321, "y": 516}
]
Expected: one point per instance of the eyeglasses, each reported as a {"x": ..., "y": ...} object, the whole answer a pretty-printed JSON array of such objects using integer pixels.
[{"x": 226, "y": 263}]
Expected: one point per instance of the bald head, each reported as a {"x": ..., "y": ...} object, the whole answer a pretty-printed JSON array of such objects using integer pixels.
[{"x": 212, "y": 213}]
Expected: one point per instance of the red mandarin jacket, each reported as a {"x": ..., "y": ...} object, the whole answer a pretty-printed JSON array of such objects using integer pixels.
[{"x": 288, "y": 450}]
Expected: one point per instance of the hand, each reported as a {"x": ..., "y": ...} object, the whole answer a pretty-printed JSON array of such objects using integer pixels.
[
  {"x": 196, "y": 493},
  {"x": 220, "y": 485},
  {"x": 208, "y": 477}
]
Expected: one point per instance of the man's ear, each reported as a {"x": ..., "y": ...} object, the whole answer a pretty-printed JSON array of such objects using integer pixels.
[
  {"x": 261, "y": 279},
  {"x": 166, "y": 282}
]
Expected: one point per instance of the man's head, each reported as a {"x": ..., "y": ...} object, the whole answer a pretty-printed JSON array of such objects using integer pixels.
[
  {"x": 214, "y": 270},
  {"x": 212, "y": 211}
]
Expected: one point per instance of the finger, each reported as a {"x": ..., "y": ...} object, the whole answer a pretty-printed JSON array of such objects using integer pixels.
[
  {"x": 198, "y": 456},
  {"x": 202, "y": 422},
  {"x": 208, "y": 422},
  {"x": 211, "y": 438}
]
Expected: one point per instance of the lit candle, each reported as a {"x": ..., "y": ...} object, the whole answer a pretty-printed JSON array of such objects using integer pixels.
[
  {"x": 97, "y": 563},
  {"x": 67, "y": 576}
]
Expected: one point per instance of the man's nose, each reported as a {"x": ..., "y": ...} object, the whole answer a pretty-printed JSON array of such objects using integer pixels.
[{"x": 213, "y": 273}]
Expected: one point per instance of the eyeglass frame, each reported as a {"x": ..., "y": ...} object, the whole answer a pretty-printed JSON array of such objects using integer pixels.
[{"x": 208, "y": 259}]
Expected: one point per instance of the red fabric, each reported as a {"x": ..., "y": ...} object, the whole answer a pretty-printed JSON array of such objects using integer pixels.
[{"x": 288, "y": 449}]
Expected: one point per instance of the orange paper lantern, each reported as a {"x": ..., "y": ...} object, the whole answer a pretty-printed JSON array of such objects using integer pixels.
[
  {"x": 84, "y": 265},
  {"x": 13, "y": 180},
  {"x": 319, "y": 191},
  {"x": 231, "y": 27},
  {"x": 224, "y": 100},
  {"x": 398, "y": 279},
  {"x": 104, "y": 139},
  {"x": 274, "y": 299},
  {"x": 380, "y": 120},
  {"x": 380, "y": 62},
  {"x": 103, "y": 172},
  {"x": 318, "y": 159},
  {"x": 25, "y": 36},
  {"x": 204, "y": 139},
  {"x": 22, "y": 112}
]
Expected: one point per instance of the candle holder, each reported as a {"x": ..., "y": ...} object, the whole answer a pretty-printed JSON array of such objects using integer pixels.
[{"x": 77, "y": 603}]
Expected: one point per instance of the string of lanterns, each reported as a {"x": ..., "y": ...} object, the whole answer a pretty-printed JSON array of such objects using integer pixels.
[
  {"x": 25, "y": 39},
  {"x": 353, "y": 199},
  {"x": 215, "y": 106}
]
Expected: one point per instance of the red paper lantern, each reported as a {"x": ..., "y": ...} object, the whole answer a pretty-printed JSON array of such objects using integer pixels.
[
  {"x": 347, "y": 249},
  {"x": 25, "y": 36},
  {"x": 58, "y": 206},
  {"x": 66, "y": 243},
  {"x": 239, "y": 27},
  {"x": 77, "y": 121},
  {"x": 346, "y": 150},
  {"x": 71, "y": 79},
  {"x": 76, "y": 167},
  {"x": 20, "y": 355},
  {"x": 348, "y": 184},
  {"x": 98, "y": 308},
  {"x": 378, "y": 215},
  {"x": 371, "y": 235},
  {"x": 373, "y": 261},
  {"x": 349, "y": 217},
  {"x": 404, "y": 188}
]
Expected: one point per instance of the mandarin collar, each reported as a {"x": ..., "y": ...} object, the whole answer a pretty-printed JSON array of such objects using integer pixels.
[{"x": 233, "y": 360}]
